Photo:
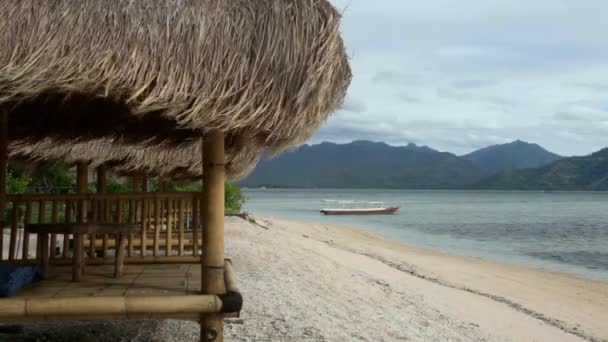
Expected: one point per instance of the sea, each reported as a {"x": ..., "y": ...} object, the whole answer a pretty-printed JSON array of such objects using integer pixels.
[{"x": 557, "y": 231}]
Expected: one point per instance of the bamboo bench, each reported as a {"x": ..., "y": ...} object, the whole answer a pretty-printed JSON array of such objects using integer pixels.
[{"x": 122, "y": 231}]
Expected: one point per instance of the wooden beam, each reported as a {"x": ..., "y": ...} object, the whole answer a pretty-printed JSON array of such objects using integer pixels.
[
  {"x": 114, "y": 307},
  {"x": 212, "y": 210}
]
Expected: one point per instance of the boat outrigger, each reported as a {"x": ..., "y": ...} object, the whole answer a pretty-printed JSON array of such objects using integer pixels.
[{"x": 356, "y": 208}]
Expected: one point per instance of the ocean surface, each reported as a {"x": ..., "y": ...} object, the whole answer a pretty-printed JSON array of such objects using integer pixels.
[{"x": 559, "y": 231}]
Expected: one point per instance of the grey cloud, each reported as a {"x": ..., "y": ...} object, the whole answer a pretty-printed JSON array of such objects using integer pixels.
[
  {"x": 392, "y": 77},
  {"x": 457, "y": 95},
  {"x": 602, "y": 87},
  {"x": 448, "y": 93},
  {"x": 354, "y": 105},
  {"x": 408, "y": 98},
  {"x": 583, "y": 114},
  {"x": 471, "y": 84}
]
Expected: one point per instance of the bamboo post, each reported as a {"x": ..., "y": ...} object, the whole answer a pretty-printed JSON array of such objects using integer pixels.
[
  {"x": 157, "y": 225},
  {"x": 78, "y": 258},
  {"x": 169, "y": 229},
  {"x": 107, "y": 211},
  {"x": 12, "y": 248},
  {"x": 120, "y": 254},
  {"x": 212, "y": 210},
  {"x": 180, "y": 221},
  {"x": 99, "y": 211},
  {"x": 93, "y": 237},
  {"x": 43, "y": 241},
  {"x": 41, "y": 218},
  {"x": 3, "y": 170},
  {"x": 68, "y": 219},
  {"x": 196, "y": 225},
  {"x": 145, "y": 184},
  {"x": 120, "y": 211},
  {"x": 132, "y": 220},
  {"x": 42, "y": 211},
  {"x": 162, "y": 185},
  {"x": 137, "y": 183},
  {"x": 144, "y": 227},
  {"x": 82, "y": 187},
  {"x": 102, "y": 178},
  {"x": 82, "y": 184},
  {"x": 27, "y": 219},
  {"x": 54, "y": 219}
]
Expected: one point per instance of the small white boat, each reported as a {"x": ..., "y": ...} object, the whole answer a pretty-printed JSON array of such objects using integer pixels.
[{"x": 337, "y": 207}]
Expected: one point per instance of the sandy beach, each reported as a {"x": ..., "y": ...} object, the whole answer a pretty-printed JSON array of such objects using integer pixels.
[{"x": 319, "y": 282}]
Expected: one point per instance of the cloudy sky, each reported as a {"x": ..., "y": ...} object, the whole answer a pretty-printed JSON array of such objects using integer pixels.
[{"x": 459, "y": 75}]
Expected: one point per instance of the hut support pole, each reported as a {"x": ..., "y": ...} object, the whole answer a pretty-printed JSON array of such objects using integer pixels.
[
  {"x": 162, "y": 185},
  {"x": 102, "y": 176},
  {"x": 145, "y": 181},
  {"x": 82, "y": 187},
  {"x": 212, "y": 210},
  {"x": 3, "y": 167},
  {"x": 137, "y": 183}
]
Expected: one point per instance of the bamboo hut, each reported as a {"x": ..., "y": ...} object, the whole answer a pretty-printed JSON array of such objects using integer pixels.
[{"x": 200, "y": 87}]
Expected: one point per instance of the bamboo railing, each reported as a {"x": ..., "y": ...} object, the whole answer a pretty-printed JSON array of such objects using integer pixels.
[{"x": 170, "y": 225}]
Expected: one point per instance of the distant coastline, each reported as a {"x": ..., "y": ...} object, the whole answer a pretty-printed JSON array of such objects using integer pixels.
[{"x": 278, "y": 187}]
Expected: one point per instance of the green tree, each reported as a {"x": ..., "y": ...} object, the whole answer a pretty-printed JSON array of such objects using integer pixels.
[
  {"x": 53, "y": 178},
  {"x": 234, "y": 198},
  {"x": 114, "y": 185},
  {"x": 16, "y": 184}
]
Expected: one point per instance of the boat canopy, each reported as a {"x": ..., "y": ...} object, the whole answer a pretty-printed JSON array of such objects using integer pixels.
[{"x": 353, "y": 203}]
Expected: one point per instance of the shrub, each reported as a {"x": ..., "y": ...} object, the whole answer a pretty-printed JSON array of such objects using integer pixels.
[{"x": 234, "y": 198}]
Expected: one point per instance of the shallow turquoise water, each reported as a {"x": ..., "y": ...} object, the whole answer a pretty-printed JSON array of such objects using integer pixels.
[{"x": 561, "y": 231}]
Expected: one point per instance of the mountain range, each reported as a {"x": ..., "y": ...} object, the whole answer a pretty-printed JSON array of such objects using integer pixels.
[
  {"x": 588, "y": 173},
  {"x": 366, "y": 164},
  {"x": 513, "y": 156}
]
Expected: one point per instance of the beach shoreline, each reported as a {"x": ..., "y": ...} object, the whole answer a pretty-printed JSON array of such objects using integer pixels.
[
  {"x": 306, "y": 281},
  {"x": 563, "y": 301}
]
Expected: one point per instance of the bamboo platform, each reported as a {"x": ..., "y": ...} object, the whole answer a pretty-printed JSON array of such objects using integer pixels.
[
  {"x": 138, "y": 280},
  {"x": 144, "y": 291}
]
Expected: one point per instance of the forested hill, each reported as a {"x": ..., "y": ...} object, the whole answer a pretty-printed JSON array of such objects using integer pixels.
[
  {"x": 575, "y": 173},
  {"x": 365, "y": 164},
  {"x": 516, "y": 155}
]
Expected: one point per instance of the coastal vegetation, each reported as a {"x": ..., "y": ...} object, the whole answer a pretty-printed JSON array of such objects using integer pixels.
[{"x": 58, "y": 178}]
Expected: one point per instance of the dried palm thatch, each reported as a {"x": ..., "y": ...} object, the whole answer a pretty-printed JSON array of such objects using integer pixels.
[
  {"x": 165, "y": 160},
  {"x": 165, "y": 71}
]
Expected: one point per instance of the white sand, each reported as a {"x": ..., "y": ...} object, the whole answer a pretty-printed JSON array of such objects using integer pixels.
[{"x": 315, "y": 282}]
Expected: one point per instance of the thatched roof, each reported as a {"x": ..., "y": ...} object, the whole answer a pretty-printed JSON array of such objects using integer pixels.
[
  {"x": 164, "y": 160},
  {"x": 155, "y": 72}
]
